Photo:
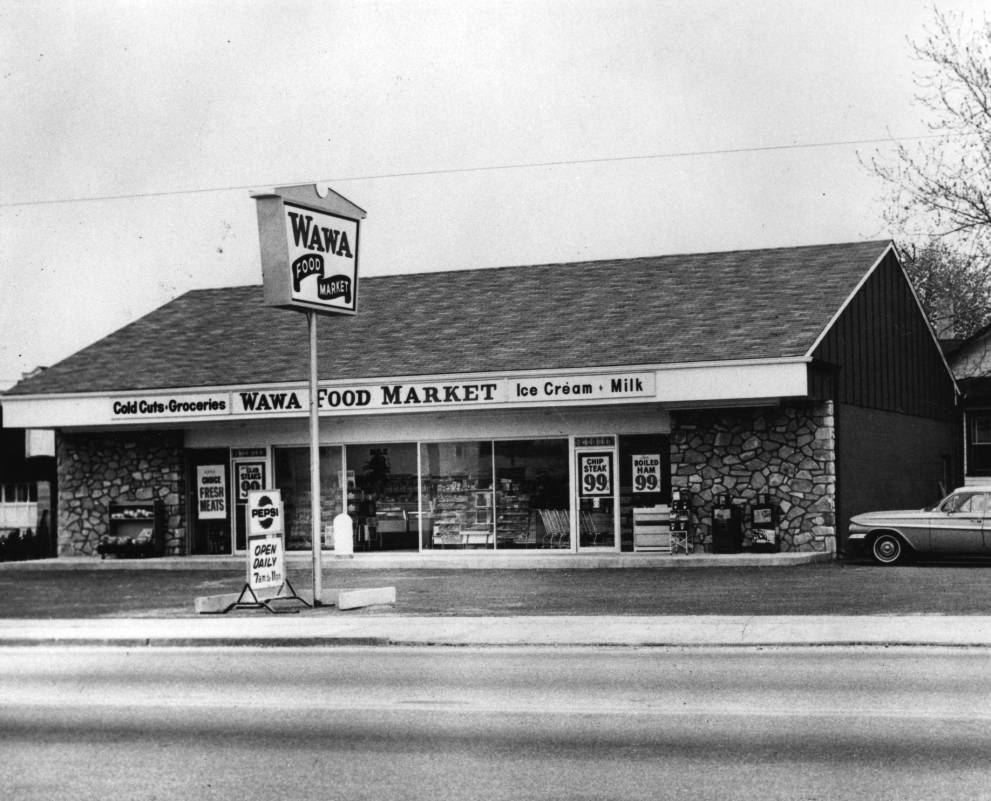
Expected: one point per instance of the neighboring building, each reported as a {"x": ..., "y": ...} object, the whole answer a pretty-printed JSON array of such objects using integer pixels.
[
  {"x": 27, "y": 485},
  {"x": 971, "y": 363},
  {"x": 512, "y": 408}
]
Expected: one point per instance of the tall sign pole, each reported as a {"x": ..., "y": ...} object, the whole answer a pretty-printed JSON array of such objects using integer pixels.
[
  {"x": 311, "y": 319},
  {"x": 309, "y": 253}
]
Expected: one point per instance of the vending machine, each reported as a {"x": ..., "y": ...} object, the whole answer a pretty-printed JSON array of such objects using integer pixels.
[
  {"x": 727, "y": 527},
  {"x": 764, "y": 528}
]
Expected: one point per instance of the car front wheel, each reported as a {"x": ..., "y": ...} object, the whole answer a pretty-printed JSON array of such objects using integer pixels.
[{"x": 887, "y": 549}]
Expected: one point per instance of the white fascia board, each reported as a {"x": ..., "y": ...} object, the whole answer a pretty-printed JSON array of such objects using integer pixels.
[
  {"x": 733, "y": 382},
  {"x": 681, "y": 384},
  {"x": 48, "y": 411}
]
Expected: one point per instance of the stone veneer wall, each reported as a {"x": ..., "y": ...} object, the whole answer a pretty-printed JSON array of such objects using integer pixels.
[
  {"x": 787, "y": 452},
  {"x": 97, "y": 469}
]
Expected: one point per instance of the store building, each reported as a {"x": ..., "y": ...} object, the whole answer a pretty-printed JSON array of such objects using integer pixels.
[{"x": 552, "y": 408}]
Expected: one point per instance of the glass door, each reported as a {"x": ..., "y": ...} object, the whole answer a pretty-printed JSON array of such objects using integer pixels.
[
  {"x": 595, "y": 506},
  {"x": 209, "y": 505}
]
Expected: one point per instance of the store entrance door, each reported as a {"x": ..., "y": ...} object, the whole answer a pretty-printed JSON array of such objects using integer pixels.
[
  {"x": 595, "y": 493},
  {"x": 209, "y": 507}
]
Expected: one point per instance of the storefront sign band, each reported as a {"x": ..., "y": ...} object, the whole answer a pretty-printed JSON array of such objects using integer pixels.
[{"x": 393, "y": 397}]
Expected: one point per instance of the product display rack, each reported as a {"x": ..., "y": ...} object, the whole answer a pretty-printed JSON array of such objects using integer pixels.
[
  {"x": 513, "y": 519},
  {"x": 680, "y": 526},
  {"x": 134, "y": 528},
  {"x": 652, "y": 528}
]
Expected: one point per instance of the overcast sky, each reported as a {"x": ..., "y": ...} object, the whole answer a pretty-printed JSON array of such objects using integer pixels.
[{"x": 133, "y": 132}]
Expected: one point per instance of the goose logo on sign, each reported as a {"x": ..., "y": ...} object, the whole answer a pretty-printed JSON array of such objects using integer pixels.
[{"x": 265, "y": 512}]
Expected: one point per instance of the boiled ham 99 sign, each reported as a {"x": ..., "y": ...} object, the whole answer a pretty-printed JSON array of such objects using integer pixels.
[
  {"x": 266, "y": 549},
  {"x": 647, "y": 472}
]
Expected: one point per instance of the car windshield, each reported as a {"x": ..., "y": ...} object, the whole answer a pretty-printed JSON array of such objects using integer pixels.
[{"x": 963, "y": 502}]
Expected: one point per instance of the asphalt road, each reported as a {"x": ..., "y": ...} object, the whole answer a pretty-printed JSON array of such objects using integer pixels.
[
  {"x": 818, "y": 589},
  {"x": 440, "y": 724}
]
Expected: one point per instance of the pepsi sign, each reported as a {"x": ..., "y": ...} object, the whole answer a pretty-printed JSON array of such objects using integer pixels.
[{"x": 264, "y": 512}]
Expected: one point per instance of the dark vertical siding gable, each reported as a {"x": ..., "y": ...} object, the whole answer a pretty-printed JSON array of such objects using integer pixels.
[{"x": 884, "y": 353}]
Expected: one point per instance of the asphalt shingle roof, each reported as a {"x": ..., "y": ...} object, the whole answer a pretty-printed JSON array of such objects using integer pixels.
[{"x": 750, "y": 304}]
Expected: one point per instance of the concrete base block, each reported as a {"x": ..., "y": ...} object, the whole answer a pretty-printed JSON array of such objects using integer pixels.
[
  {"x": 354, "y": 599},
  {"x": 214, "y": 604},
  {"x": 342, "y": 599}
]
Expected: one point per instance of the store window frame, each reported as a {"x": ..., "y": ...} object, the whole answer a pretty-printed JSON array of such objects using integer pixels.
[
  {"x": 574, "y": 445},
  {"x": 326, "y": 520},
  {"x": 979, "y": 443},
  {"x": 977, "y": 436},
  {"x": 492, "y": 491},
  {"x": 596, "y": 446}
]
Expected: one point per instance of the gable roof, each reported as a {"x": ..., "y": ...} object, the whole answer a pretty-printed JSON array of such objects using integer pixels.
[
  {"x": 971, "y": 358},
  {"x": 705, "y": 307}
]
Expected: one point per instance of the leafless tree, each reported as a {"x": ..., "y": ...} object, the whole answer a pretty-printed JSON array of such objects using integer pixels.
[
  {"x": 940, "y": 201},
  {"x": 946, "y": 181}
]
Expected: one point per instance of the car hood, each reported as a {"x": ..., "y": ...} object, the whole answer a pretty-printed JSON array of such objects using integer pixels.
[{"x": 892, "y": 516}]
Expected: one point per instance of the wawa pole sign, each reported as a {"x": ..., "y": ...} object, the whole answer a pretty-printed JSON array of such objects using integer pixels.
[
  {"x": 309, "y": 249},
  {"x": 266, "y": 555},
  {"x": 308, "y": 236}
]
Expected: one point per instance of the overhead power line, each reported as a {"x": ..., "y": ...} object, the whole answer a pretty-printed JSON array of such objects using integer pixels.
[{"x": 490, "y": 168}]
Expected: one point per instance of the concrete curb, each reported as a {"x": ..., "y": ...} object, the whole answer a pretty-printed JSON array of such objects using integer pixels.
[
  {"x": 329, "y": 627},
  {"x": 453, "y": 560}
]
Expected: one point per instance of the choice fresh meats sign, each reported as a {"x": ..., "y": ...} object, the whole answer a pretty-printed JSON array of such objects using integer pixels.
[{"x": 211, "y": 492}]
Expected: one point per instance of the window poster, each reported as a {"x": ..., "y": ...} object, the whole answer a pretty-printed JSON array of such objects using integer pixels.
[
  {"x": 595, "y": 475},
  {"x": 646, "y": 472},
  {"x": 250, "y": 478},
  {"x": 211, "y": 492}
]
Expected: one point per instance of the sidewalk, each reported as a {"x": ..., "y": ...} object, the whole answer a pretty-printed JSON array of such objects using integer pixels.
[
  {"x": 328, "y": 627},
  {"x": 739, "y": 600}
]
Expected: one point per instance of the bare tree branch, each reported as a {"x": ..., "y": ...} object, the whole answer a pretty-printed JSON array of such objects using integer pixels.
[{"x": 948, "y": 181}]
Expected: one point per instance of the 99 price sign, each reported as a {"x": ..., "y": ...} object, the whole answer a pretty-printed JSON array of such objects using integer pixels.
[
  {"x": 647, "y": 472},
  {"x": 595, "y": 475}
]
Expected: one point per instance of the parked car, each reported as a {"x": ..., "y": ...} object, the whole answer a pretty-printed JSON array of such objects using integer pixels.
[{"x": 960, "y": 524}]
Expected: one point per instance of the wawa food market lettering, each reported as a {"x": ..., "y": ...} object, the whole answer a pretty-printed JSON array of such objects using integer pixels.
[
  {"x": 316, "y": 237},
  {"x": 389, "y": 395}
]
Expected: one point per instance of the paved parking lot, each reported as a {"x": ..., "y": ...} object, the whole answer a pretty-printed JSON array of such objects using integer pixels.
[{"x": 818, "y": 589}]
